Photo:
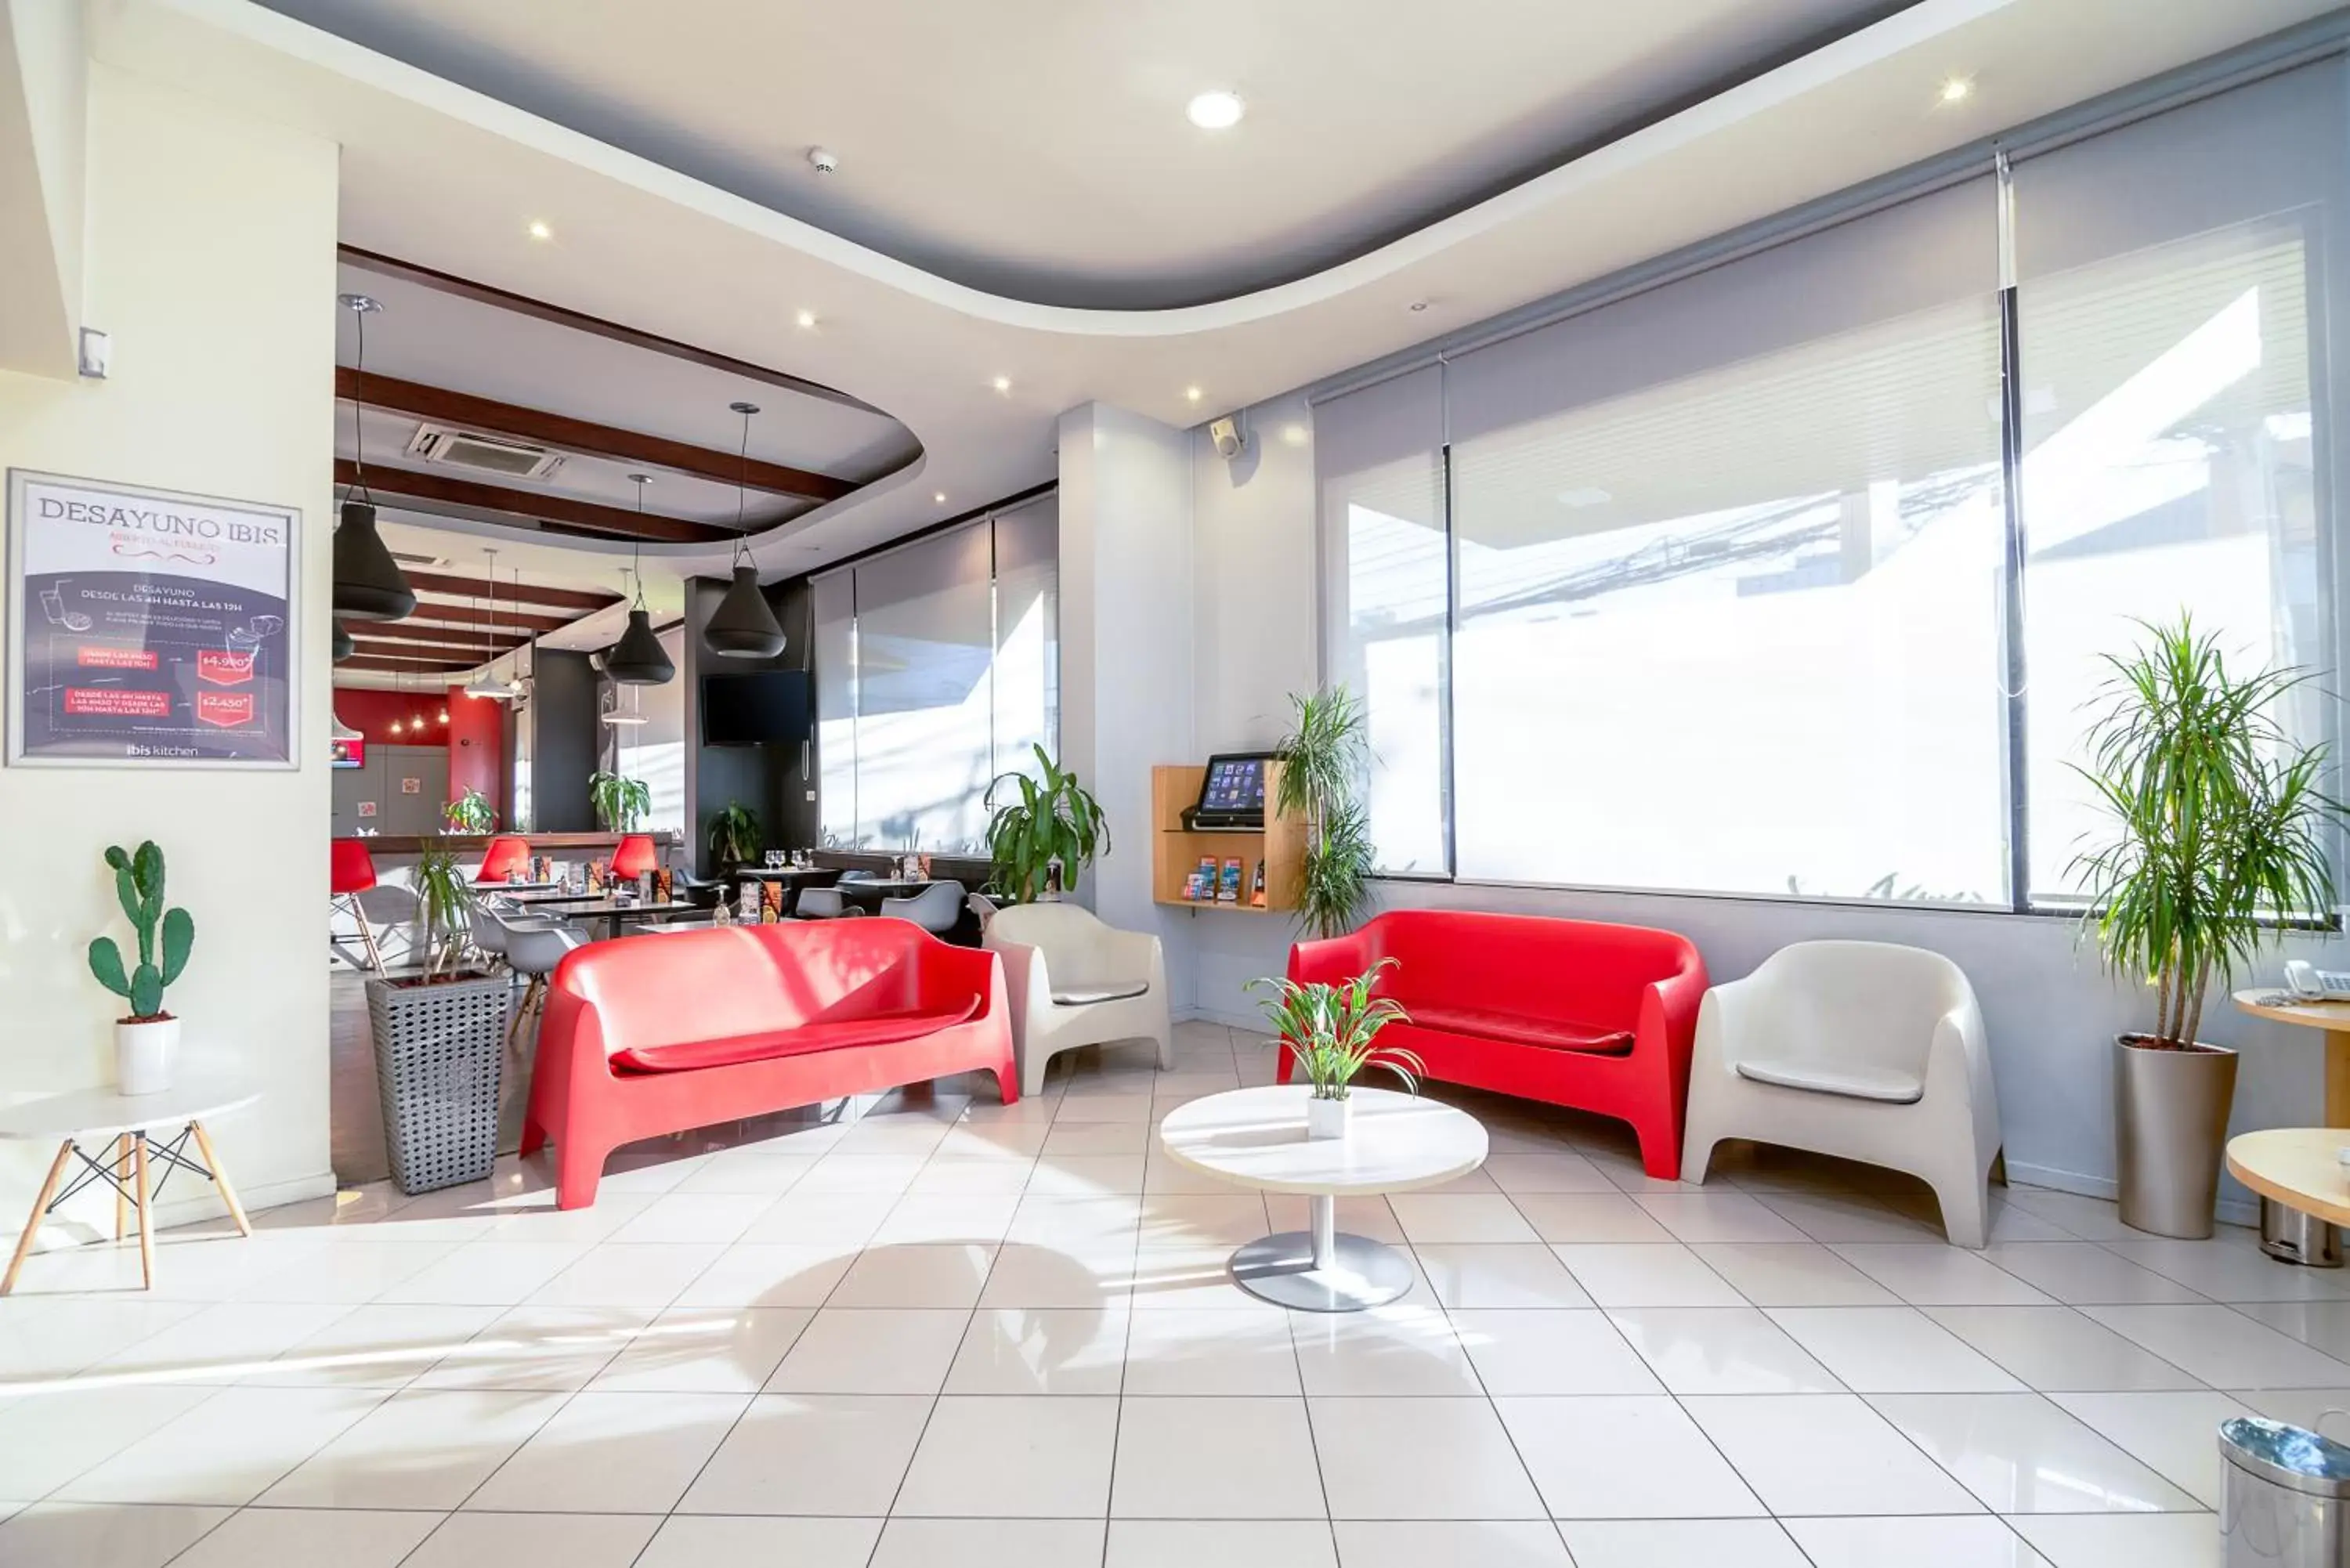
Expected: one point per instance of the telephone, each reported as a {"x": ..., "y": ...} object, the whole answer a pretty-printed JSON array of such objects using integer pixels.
[{"x": 2310, "y": 983}]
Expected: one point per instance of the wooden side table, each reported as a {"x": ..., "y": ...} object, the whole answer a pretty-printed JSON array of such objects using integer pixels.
[{"x": 124, "y": 1130}]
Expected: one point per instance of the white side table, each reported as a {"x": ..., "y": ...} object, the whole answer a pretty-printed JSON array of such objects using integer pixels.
[
  {"x": 127, "y": 1125},
  {"x": 1256, "y": 1138}
]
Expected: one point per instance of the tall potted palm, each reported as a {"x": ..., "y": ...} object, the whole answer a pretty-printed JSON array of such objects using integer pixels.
[
  {"x": 1324, "y": 761},
  {"x": 2218, "y": 831},
  {"x": 1042, "y": 840}
]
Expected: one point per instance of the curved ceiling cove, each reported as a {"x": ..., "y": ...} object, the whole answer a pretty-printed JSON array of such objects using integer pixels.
[{"x": 1039, "y": 149}]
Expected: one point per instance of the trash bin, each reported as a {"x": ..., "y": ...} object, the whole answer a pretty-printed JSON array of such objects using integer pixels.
[{"x": 2288, "y": 1491}]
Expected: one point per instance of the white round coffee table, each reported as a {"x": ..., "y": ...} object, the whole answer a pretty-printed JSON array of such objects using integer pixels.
[{"x": 1256, "y": 1138}]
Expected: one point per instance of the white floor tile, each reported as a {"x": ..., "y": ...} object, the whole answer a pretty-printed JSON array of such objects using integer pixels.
[
  {"x": 618, "y": 1273},
  {"x": 1593, "y": 1218},
  {"x": 1623, "y": 1458},
  {"x": 1928, "y": 1275},
  {"x": 1396, "y": 1349},
  {"x": 2230, "y": 1267},
  {"x": 47, "y": 1439},
  {"x": 620, "y": 1453},
  {"x": 1825, "y": 1454},
  {"x": 995, "y": 1455},
  {"x": 1973, "y": 1542},
  {"x": 225, "y": 1450},
  {"x": 2090, "y": 1219},
  {"x": 375, "y": 1346},
  {"x": 1443, "y": 1544},
  {"x": 1721, "y": 1350},
  {"x": 813, "y": 1453},
  {"x": 2174, "y": 1435},
  {"x": 350, "y": 1271},
  {"x": 1799, "y": 1274},
  {"x": 1097, "y": 1274},
  {"x": 1041, "y": 1350},
  {"x": 684, "y": 1542},
  {"x": 804, "y": 1217},
  {"x": 2084, "y": 1273},
  {"x": 503, "y": 1539},
  {"x": 1420, "y": 1459},
  {"x": 49, "y": 1337},
  {"x": 1554, "y": 1351},
  {"x": 2058, "y": 1349},
  {"x": 539, "y": 1348},
  {"x": 1839, "y": 1217},
  {"x": 770, "y": 1275},
  {"x": 930, "y": 1218},
  {"x": 1680, "y": 1544},
  {"x": 1884, "y": 1350},
  {"x": 1726, "y": 1218},
  {"x": 1216, "y": 1459},
  {"x": 2322, "y": 1325},
  {"x": 2020, "y": 1454},
  {"x": 907, "y": 1543},
  {"x": 487, "y": 1273},
  {"x": 1225, "y": 1542},
  {"x": 1372, "y": 1217},
  {"x": 2125, "y": 1541},
  {"x": 97, "y": 1535},
  {"x": 705, "y": 1350},
  {"x": 423, "y": 1449},
  {"x": 928, "y": 1276},
  {"x": 220, "y": 1343},
  {"x": 1480, "y": 1218},
  {"x": 1526, "y": 1275},
  {"x": 1207, "y": 1352},
  {"x": 872, "y": 1350},
  {"x": 2223, "y": 1347},
  {"x": 347, "y": 1537},
  {"x": 1636, "y": 1275},
  {"x": 1521, "y": 1173}
]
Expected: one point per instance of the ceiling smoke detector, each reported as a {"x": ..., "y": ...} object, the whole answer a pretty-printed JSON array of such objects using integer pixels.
[{"x": 824, "y": 161}]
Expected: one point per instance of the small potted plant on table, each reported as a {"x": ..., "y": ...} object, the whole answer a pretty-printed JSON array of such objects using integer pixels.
[
  {"x": 146, "y": 1042},
  {"x": 1333, "y": 1031}
]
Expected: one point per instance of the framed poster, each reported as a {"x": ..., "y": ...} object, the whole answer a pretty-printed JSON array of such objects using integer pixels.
[{"x": 149, "y": 626}]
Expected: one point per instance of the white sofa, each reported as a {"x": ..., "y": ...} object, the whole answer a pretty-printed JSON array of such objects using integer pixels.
[
  {"x": 1074, "y": 981},
  {"x": 1865, "y": 1050}
]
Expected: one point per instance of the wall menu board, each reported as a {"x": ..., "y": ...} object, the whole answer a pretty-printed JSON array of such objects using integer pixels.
[{"x": 147, "y": 626}]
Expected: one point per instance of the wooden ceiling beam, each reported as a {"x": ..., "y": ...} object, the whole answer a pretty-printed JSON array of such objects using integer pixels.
[
  {"x": 439, "y": 405},
  {"x": 508, "y": 591},
  {"x": 407, "y": 483}
]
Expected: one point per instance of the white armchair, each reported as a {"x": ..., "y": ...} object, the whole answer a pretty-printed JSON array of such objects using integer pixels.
[
  {"x": 1865, "y": 1050},
  {"x": 1074, "y": 981}
]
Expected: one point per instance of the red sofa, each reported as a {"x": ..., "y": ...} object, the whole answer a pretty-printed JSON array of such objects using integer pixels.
[
  {"x": 1571, "y": 1012},
  {"x": 660, "y": 1033}
]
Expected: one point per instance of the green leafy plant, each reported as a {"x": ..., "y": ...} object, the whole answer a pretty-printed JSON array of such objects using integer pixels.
[
  {"x": 1333, "y": 1030},
  {"x": 1054, "y": 830},
  {"x": 470, "y": 812},
  {"x": 735, "y": 836},
  {"x": 621, "y": 803},
  {"x": 444, "y": 895},
  {"x": 1325, "y": 759},
  {"x": 2220, "y": 829},
  {"x": 164, "y": 935}
]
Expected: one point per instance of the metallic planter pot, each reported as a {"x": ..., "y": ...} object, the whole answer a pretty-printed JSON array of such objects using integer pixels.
[{"x": 2171, "y": 1122}]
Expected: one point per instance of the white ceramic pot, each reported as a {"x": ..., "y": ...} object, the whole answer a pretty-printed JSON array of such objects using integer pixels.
[
  {"x": 1328, "y": 1118},
  {"x": 145, "y": 1054}
]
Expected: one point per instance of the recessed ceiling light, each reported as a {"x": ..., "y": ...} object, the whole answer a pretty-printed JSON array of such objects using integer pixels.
[
  {"x": 1002, "y": 383},
  {"x": 1958, "y": 89},
  {"x": 941, "y": 497},
  {"x": 806, "y": 319},
  {"x": 539, "y": 231},
  {"x": 1417, "y": 306},
  {"x": 1216, "y": 110},
  {"x": 1192, "y": 394}
]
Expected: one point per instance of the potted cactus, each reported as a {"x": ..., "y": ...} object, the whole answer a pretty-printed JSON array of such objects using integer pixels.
[{"x": 146, "y": 1040}]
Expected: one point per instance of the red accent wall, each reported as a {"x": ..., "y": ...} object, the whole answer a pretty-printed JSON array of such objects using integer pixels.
[
  {"x": 474, "y": 732},
  {"x": 477, "y": 739}
]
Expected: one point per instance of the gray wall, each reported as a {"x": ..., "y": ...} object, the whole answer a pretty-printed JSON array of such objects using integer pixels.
[
  {"x": 563, "y": 741},
  {"x": 767, "y": 779},
  {"x": 378, "y": 783}
]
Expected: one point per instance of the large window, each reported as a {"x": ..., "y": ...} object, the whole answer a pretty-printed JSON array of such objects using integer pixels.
[
  {"x": 937, "y": 668},
  {"x": 1741, "y": 585}
]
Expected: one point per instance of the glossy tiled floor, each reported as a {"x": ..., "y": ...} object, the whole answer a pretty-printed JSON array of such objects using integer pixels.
[{"x": 956, "y": 1332}]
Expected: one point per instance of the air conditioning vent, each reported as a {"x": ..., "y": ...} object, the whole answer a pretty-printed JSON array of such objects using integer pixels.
[{"x": 487, "y": 455}]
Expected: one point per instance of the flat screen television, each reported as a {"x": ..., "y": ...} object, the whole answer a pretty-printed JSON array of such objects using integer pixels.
[{"x": 764, "y": 708}]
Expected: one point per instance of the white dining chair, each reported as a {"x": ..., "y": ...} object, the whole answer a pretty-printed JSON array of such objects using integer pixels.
[{"x": 1074, "y": 981}]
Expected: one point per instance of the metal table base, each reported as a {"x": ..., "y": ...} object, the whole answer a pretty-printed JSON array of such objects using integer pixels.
[{"x": 1323, "y": 1269}]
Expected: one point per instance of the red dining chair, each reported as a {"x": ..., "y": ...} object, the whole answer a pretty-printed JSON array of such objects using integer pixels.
[
  {"x": 635, "y": 856},
  {"x": 508, "y": 856},
  {"x": 350, "y": 871}
]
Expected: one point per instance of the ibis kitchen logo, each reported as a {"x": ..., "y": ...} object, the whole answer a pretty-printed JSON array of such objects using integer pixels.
[{"x": 147, "y": 625}]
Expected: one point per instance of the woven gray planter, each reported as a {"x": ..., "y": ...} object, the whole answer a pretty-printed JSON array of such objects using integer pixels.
[{"x": 439, "y": 1052}]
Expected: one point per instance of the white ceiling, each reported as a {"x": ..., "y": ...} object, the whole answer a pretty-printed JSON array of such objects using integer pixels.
[
  {"x": 449, "y": 177},
  {"x": 1039, "y": 148}
]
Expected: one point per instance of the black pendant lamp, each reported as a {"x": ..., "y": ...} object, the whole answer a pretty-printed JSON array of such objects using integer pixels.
[
  {"x": 368, "y": 582},
  {"x": 638, "y": 658},
  {"x": 743, "y": 626},
  {"x": 343, "y": 645}
]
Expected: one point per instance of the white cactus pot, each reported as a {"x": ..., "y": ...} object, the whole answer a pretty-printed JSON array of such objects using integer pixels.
[{"x": 145, "y": 1053}]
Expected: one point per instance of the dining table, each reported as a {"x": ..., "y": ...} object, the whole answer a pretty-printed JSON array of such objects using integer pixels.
[
  {"x": 867, "y": 892},
  {"x": 614, "y": 912}
]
